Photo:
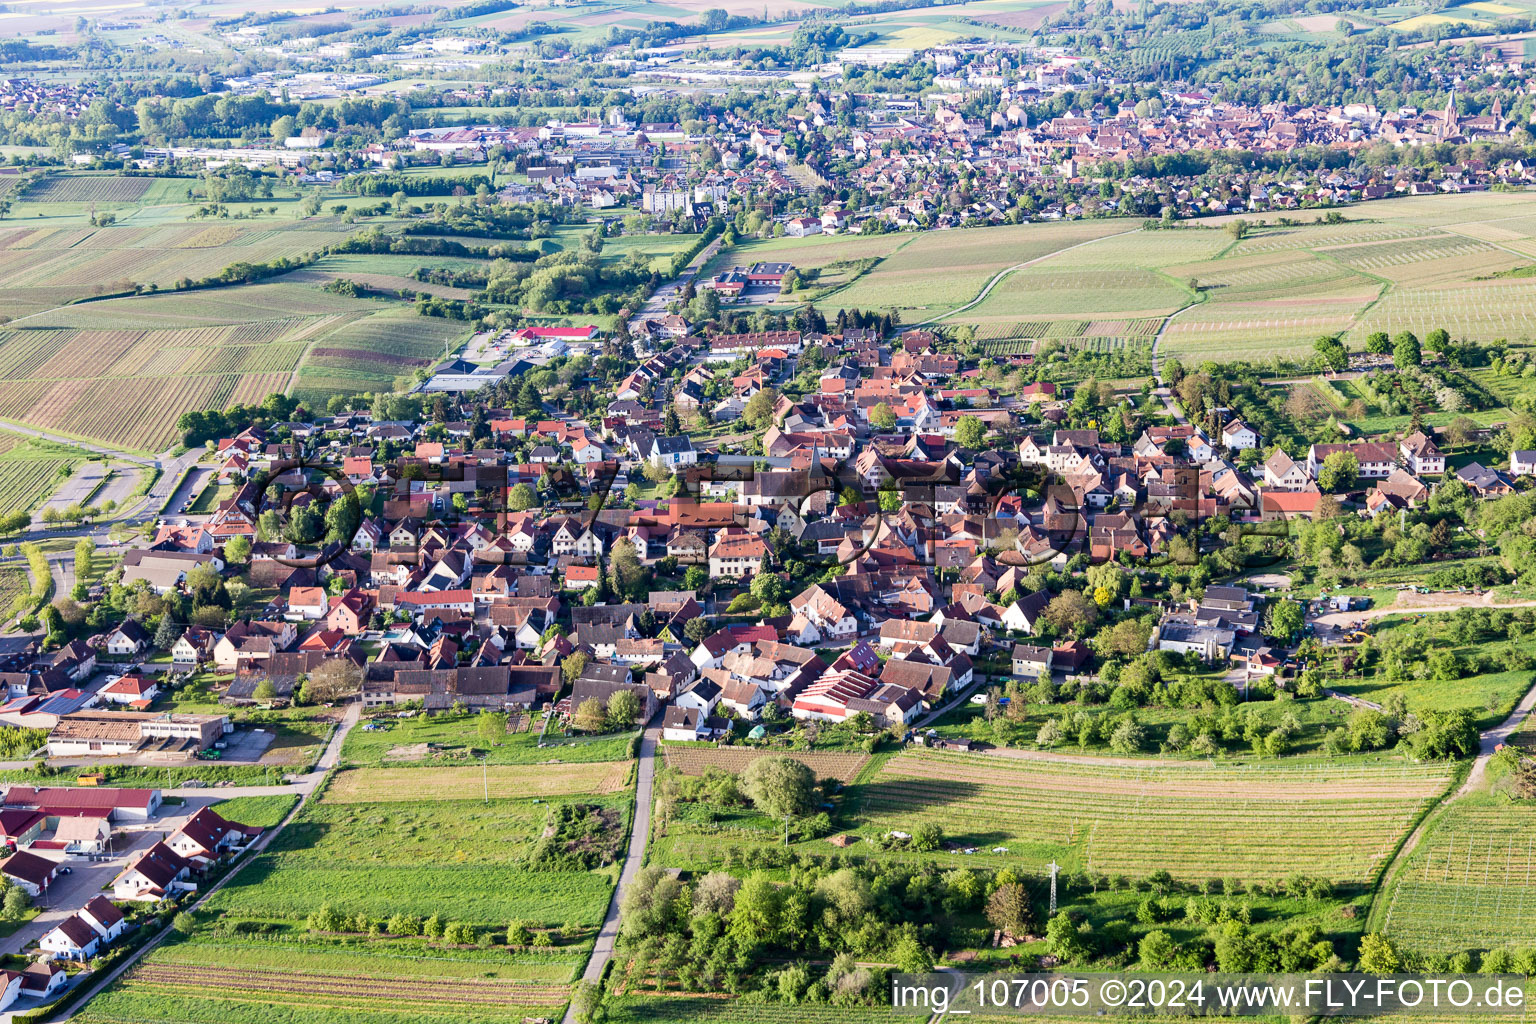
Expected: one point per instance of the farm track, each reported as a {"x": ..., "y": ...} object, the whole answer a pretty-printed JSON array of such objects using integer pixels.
[
  {"x": 1488, "y": 744},
  {"x": 1001, "y": 274}
]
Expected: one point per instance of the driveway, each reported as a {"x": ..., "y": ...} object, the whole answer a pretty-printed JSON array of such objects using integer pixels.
[
  {"x": 190, "y": 486},
  {"x": 72, "y": 891}
]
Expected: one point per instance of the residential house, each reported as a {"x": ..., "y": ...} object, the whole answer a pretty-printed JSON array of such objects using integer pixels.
[
  {"x": 128, "y": 640},
  {"x": 1421, "y": 455},
  {"x": 1032, "y": 662},
  {"x": 155, "y": 874},
  {"x": 736, "y": 555},
  {"x": 1284, "y": 473},
  {"x": 31, "y": 873}
]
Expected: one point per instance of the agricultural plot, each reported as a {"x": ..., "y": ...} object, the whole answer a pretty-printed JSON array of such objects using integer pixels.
[
  {"x": 369, "y": 353},
  {"x": 87, "y": 188},
  {"x": 226, "y": 979},
  {"x": 943, "y": 269},
  {"x": 1341, "y": 822},
  {"x": 247, "y": 304},
  {"x": 429, "y": 841},
  {"x": 77, "y": 370},
  {"x": 826, "y": 764},
  {"x": 1470, "y": 883},
  {"x": 1483, "y": 310},
  {"x": 13, "y": 584},
  {"x": 26, "y": 482},
  {"x": 1044, "y": 291},
  {"x": 1399, "y": 264},
  {"x": 1215, "y": 331},
  {"x": 46, "y": 267}
]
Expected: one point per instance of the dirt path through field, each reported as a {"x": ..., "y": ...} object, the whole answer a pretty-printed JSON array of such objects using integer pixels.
[
  {"x": 998, "y": 277},
  {"x": 1409, "y": 603},
  {"x": 634, "y": 858},
  {"x": 1488, "y": 744}
]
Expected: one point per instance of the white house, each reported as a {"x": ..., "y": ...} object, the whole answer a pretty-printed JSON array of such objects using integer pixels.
[
  {"x": 31, "y": 873},
  {"x": 83, "y": 834},
  {"x": 105, "y": 919},
  {"x": 681, "y": 725},
  {"x": 1237, "y": 435},
  {"x": 701, "y": 695},
  {"x": 1032, "y": 662},
  {"x": 130, "y": 689},
  {"x": 672, "y": 451},
  {"x": 13, "y": 985},
  {"x": 1022, "y": 615},
  {"x": 157, "y": 873},
  {"x": 1522, "y": 462},
  {"x": 71, "y": 939},
  {"x": 306, "y": 604},
  {"x": 1284, "y": 473},
  {"x": 1421, "y": 455},
  {"x": 127, "y": 640}
]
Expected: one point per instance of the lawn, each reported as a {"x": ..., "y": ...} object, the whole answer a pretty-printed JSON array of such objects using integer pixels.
[
  {"x": 257, "y": 811},
  {"x": 399, "y": 785},
  {"x": 453, "y": 739}
]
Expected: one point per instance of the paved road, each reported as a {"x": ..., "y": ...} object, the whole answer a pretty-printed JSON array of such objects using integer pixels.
[
  {"x": 82, "y": 484},
  {"x": 328, "y": 760},
  {"x": 142, "y": 460},
  {"x": 634, "y": 859},
  {"x": 191, "y": 484},
  {"x": 657, "y": 303},
  {"x": 132, "y": 513}
]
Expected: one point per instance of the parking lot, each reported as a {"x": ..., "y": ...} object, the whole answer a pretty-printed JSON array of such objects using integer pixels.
[{"x": 246, "y": 746}]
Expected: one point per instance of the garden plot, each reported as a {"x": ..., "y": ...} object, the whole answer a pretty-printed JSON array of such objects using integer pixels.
[{"x": 826, "y": 764}]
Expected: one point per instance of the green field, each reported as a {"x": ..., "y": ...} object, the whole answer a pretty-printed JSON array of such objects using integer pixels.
[
  {"x": 1397, "y": 264},
  {"x": 369, "y": 353},
  {"x": 256, "y": 811},
  {"x": 248, "y": 981},
  {"x": 456, "y": 739},
  {"x": 1469, "y": 884},
  {"x": 1247, "y": 821},
  {"x": 470, "y": 859},
  {"x": 30, "y": 471},
  {"x": 76, "y": 370}
]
